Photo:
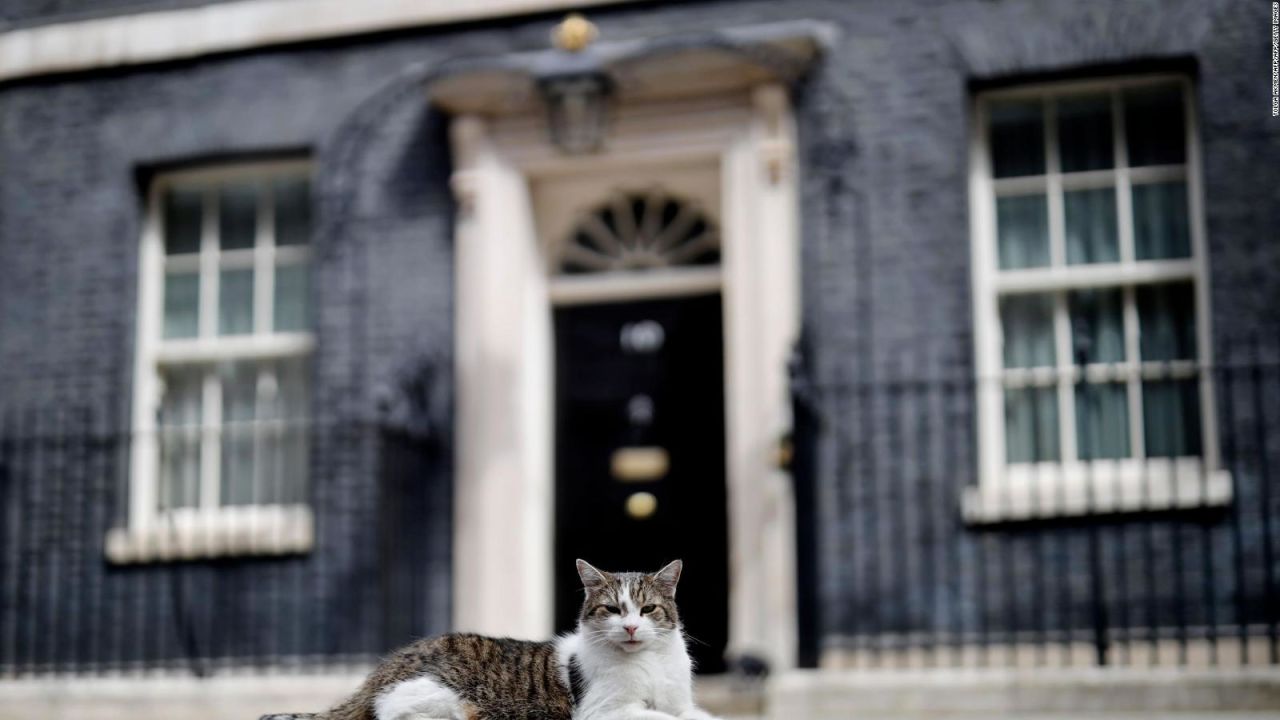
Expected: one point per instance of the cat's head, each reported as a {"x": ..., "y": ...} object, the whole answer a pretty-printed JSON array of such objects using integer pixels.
[{"x": 629, "y": 610}]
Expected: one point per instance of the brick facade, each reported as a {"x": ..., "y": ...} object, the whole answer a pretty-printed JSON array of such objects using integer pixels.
[{"x": 884, "y": 155}]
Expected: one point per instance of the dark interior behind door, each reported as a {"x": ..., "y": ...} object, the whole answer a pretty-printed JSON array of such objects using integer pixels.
[{"x": 647, "y": 374}]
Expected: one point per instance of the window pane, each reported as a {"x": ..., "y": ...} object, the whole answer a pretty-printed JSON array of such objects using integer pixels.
[
  {"x": 179, "y": 438},
  {"x": 237, "y": 216},
  {"x": 235, "y": 302},
  {"x": 1102, "y": 421},
  {"x": 264, "y": 433},
  {"x": 1022, "y": 228},
  {"x": 294, "y": 379},
  {"x": 1091, "y": 226},
  {"x": 1031, "y": 424},
  {"x": 1027, "y": 324},
  {"x": 1171, "y": 418},
  {"x": 1097, "y": 326},
  {"x": 291, "y": 462},
  {"x": 292, "y": 294},
  {"x": 1153, "y": 126},
  {"x": 1160, "y": 228},
  {"x": 181, "y": 304},
  {"x": 1167, "y": 321},
  {"x": 239, "y": 382},
  {"x": 1017, "y": 138},
  {"x": 183, "y": 210},
  {"x": 1084, "y": 133},
  {"x": 239, "y": 390},
  {"x": 293, "y": 211}
]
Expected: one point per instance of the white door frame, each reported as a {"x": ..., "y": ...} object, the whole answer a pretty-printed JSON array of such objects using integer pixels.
[{"x": 503, "y": 515}]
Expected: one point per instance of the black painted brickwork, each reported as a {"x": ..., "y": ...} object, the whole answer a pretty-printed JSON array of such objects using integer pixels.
[{"x": 884, "y": 212}]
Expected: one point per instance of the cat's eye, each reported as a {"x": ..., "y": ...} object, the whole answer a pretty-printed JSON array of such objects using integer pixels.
[
  {"x": 613, "y": 609},
  {"x": 648, "y": 609}
]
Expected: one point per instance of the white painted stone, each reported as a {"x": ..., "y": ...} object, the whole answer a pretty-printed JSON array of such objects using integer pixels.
[
  {"x": 156, "y": 36},
  {"x": 1052, "y": 693}
]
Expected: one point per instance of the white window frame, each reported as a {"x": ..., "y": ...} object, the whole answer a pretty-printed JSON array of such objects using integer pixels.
[
  {"x": 208, "y": 530},
  {"x": 1071, "y": 486}
]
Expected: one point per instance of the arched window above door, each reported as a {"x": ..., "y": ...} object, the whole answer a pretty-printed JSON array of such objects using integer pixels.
[{"x": 636, "y": 231}]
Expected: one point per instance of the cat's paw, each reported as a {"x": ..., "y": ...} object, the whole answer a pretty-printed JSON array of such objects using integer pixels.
[{"x": 696, "y": 714}]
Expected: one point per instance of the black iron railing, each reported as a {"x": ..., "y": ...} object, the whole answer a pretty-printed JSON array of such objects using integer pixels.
[
  {"x": 328, "y": 567},
  {"x": 910, "y": 555},
  {"x": 928, "y": 555}
]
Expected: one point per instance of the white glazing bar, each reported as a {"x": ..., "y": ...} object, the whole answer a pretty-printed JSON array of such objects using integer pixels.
[
  {"x": 1019, "y": 185},
  {"x": 267, "y": 436},
  {"x": 207, "y": 306},
  {"x": 264, "y": 262},
  {"x": 1133, "y": 383},
  {"x": 1124, "y": 221},
  {"x": 189, "y": 262},
  {"x": 1124, "y": 180},
  {"x": 211, "y": 389},
  {"x": 290, "y": 254},
  {"x": 1057, "y": 223},
  {"x": 1089, "y": 179},
  {"x": 237, "y": 259},
  {"x": 1036, "y": 280},
  {"x": 210, "y": 442},
  {"x": 1066, "y": 378},
  {"x": 263, "y": 323},
  {"x": 1058, "y": 259},
  {"x": 191, "y": 437}
]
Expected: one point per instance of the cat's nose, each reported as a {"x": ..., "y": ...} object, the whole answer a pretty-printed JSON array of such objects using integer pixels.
[{"x": 631, "y": 629}]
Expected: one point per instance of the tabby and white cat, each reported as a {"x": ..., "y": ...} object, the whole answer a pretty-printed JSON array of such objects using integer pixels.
[{"x": 626, "y": 661}]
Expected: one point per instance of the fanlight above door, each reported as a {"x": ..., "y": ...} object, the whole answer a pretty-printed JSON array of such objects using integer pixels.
[{"x": 636, "y": 231}]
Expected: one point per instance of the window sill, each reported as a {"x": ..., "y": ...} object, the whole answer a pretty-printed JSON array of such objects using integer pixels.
[
  {"x": 191, "y": 534},
  {"x": 1031, "y": 492}
]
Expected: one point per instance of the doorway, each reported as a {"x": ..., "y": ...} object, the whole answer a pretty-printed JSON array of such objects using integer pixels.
[
  {"x": 540, "y": 234},
  {"x": 639, "y": 385},
  {"x": 640, "y": 456}
]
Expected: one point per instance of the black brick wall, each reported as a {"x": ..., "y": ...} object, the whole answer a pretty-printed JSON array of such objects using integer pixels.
[{"x": 883, "y": 125}]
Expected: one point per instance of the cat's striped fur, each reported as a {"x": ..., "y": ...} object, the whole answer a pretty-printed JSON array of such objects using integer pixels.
[
  {"x": 494, "y": 677},
  {"x": 627, "y": 620}
]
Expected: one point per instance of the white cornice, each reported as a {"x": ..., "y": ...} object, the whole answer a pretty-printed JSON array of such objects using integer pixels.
[{"x": 231, "y": 26}]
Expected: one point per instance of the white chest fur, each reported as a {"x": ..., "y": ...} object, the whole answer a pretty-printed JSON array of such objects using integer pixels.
[{"x": 620, "y": 684}]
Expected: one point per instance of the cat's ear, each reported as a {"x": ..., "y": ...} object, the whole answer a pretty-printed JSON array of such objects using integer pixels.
[
  {"x": 591, "y": 577},
  {"x": 668, "y": 576}
]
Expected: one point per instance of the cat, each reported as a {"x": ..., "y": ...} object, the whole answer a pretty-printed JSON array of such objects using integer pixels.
[{"x": 627, "y": 660}]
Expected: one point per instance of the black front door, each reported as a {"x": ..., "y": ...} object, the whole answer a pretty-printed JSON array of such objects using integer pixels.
[{"x": 640, "y": 475}]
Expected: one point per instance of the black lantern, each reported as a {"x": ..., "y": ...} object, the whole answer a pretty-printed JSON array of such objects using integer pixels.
[
  {"x": 577, "y": 109},
  {"x": 575, "y": 87}
]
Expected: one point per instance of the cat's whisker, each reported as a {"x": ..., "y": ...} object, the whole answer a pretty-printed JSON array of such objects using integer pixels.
[
  {"x": 597, "y": 640},
  {"x": 688, "y": 637}
]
